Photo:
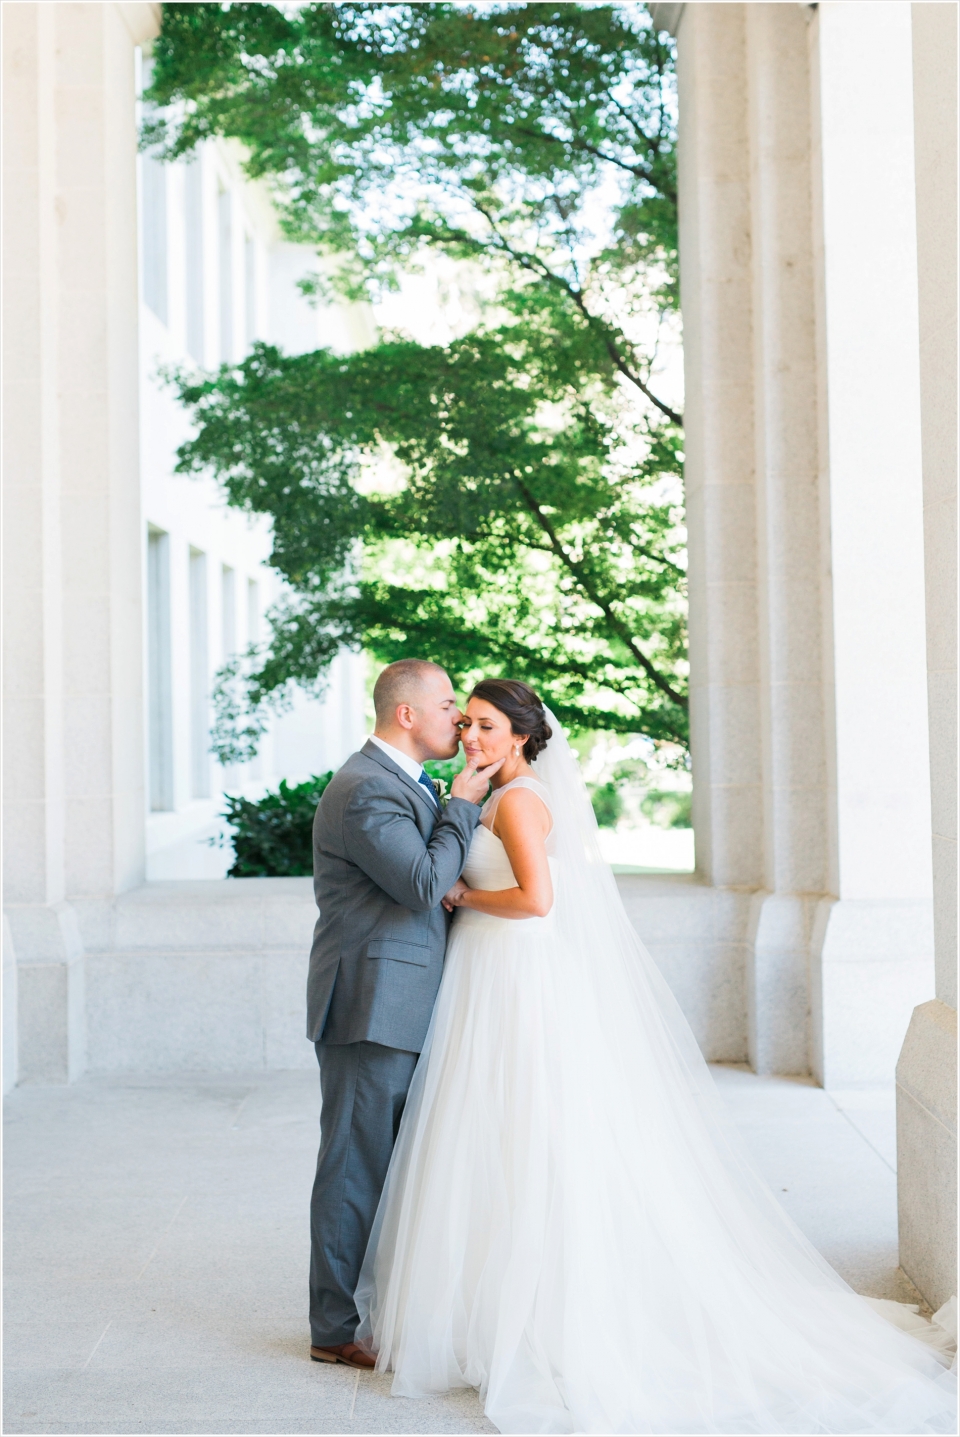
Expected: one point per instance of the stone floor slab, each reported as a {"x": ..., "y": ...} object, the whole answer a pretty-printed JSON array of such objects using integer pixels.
[{"x": 157, "y": 1236}]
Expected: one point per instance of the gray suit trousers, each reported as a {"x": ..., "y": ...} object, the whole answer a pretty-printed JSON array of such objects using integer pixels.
[{"x": 363, "y": 1089}]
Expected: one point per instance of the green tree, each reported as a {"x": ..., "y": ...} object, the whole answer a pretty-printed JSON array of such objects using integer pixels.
[{"x": 537, "y": 532}]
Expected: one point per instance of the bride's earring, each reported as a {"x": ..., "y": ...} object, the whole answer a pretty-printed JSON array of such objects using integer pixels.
[{"x": 516, "y": 750}]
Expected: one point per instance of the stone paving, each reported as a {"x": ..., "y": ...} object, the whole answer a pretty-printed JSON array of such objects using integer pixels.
[{"x": 156, "y": 1248}]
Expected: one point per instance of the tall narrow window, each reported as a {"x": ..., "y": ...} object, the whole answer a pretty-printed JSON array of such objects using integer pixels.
[
  {"x": 250, "y": 289},
  {"x": 193, "y": 220},
  {"x": 253, "y": 612},
  {"x": 225, "y": 230},
  {"x": 229, "y": 612},
  {"x": 154, "y": 209},
  {"x": 199, "y": 694},
  {"x": 253, "y": 637},
  {"x": 159, "y": 705}
]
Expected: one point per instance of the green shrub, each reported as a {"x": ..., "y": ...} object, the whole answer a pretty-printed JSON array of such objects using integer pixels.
[
  {"x": 607, "y": 803},
  {"x": 667, "y": 807},
  {"x": 273, "y": 835}
]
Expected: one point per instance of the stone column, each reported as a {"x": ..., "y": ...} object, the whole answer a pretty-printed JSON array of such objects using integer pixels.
[
  {"x": 927, "y": 1070},
  {"x": 872, "y": 955},
  {"x": 74, "y": 810},
  {"x": 788, "y": 540},
  {"x": 716, "y": 281}
]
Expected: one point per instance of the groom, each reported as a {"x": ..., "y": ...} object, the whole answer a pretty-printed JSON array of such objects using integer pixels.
[{"x": 384, "y": 855}]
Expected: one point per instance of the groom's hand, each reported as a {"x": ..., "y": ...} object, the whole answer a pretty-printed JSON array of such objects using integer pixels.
[
  {"x": 451, "y": 900},
  {"x": 471, "y": 783}
]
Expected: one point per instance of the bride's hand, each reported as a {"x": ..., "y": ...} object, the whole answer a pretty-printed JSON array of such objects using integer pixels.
[{"x": 452, "y": 899}]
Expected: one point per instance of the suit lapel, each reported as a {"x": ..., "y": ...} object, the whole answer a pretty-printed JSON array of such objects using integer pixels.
[{"x": 371, "y": 750}]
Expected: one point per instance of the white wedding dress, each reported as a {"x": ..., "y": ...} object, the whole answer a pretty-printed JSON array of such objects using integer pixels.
[{"x": 570, "y": 1222}]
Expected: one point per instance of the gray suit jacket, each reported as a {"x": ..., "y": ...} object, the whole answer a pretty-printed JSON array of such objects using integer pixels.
[{"x": 383, "y": 857}]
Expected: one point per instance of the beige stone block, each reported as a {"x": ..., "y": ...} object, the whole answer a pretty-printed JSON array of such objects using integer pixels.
[
  {"x": 42, "y": 1023},
  {"x": 793, "y": 621},
  {"x": 24, "y": 858},
  {"x": 871, "y": 964},
  {"x": 942, "y": 691},
  {"x": 85, "y": 424},
  {"x": 283, "y": 982},
  {"x": 21, "y": 324},
  {"x": 707, "y": 981},
  {"x": 23, "y": 534},
  {"x": 156, "y": 1012},
  {"x": 681, "y": 913},
  {"x": 87, "y": 745},
  {"x": 796, "y": 746},
  {"x": 737, "y": 836},
  {"x": 940, "y": 565},
  {"x": 789, "y": 523},
  {"x": 22, "y": 454},
  {"x": 171, "y": 916},
  {"x": 23, "y": 655},
  {"x": 731, "y": 914},
  {"x": 24, "y": 755},
  {"x": 945, "y": 857},
  {"x": 776, "y": 983},
  {"x": 84, "y": 357},
  {"x": 85, "y": 259},
  {"x": 734, "y": 735},
  {"x": 938, "y": 369},
  {"x": 80, "y": 47},
  {"x": 726, "y": 417},
  {"x": 21, "y": 189},
  {"x": 87, "y": 644},
  {"x": 51, "y": 1036},
  {"x": 88, "y": 843},
  {"x": 732, "y": 657},
  {"x": 798, "y": 840},
  {"x": 729, "y": 525},
  {"x": 129, "y": 856},
  {"x": 927, "y": 1151}
]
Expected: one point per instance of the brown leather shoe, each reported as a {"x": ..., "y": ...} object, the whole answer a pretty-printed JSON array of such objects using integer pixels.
[{"x": 349, "y": 1353}]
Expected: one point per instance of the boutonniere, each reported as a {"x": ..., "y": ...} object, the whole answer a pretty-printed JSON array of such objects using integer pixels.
[{"x": 441, "y": 789}]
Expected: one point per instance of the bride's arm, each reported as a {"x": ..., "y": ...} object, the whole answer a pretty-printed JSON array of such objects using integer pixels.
[{"x": 522, "y": 824}]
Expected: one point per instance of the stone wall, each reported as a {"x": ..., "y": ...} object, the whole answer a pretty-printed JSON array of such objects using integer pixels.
[{"x": 211, "y": 976}]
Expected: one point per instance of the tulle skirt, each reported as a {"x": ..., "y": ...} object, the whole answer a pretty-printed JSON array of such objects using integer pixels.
[{"x": 571, "y": 1225}]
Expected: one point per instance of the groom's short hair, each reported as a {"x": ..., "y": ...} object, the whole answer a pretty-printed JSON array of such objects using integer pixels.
[{"x": 401, "y": 683}]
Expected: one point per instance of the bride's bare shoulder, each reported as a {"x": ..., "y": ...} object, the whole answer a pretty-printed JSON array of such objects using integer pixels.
[{"x": 521, "y": 811}]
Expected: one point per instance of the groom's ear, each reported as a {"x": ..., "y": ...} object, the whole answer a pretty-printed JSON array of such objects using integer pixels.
[{"x": 405, "y": 715}]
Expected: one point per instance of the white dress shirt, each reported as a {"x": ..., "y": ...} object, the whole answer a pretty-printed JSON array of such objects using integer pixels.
[{"x": 403, "y": 760}]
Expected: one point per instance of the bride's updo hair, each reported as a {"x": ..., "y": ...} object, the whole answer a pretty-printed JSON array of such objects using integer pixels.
[{"x": 518, "y": 703}]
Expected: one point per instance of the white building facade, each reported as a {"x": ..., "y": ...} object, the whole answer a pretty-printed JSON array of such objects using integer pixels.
[
  {"x": 126, "y": 586},
  {"x": 818, "y": 246},
  {"x": 216, "y": 275}
]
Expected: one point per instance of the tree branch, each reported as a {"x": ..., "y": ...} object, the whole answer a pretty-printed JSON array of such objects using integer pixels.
[
  {"x": 639, "y": 171},
  {"x": 536, "y": 265},
  {"x": 617, "y": 624}
]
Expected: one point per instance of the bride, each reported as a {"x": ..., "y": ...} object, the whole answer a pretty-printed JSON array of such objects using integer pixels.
[{"x": 570, "y": 1223}]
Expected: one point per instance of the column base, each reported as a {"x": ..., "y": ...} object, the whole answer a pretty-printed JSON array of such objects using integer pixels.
[
  {"x": 871, "y": 963},
  {"x": 777, "y": 981},
  {"x": 927, "y": 1151},
  {"x": 50, "y": 1004}
]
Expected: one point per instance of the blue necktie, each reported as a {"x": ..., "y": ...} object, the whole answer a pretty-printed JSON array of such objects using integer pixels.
[{"x": 429, "y": 787}]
